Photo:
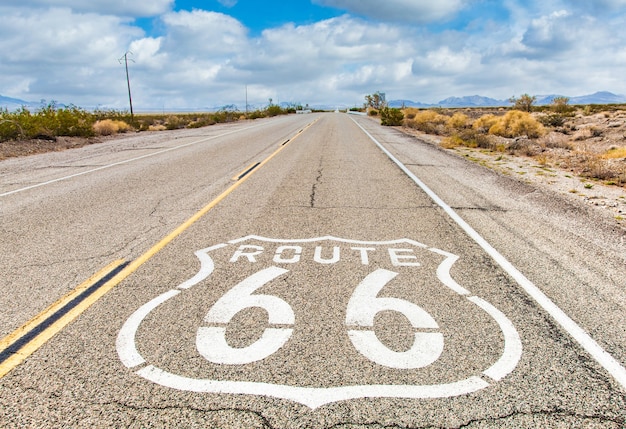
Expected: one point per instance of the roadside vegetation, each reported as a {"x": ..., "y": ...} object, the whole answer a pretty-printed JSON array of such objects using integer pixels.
[
  {"x": 51, "y": 121},
  {"x": 590, "y": 141}
]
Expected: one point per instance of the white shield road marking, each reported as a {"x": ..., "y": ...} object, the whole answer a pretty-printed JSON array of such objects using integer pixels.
[{"x": 361, "y": 310}]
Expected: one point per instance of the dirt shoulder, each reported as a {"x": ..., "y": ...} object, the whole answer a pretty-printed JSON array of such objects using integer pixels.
[
  {"x": 609, "y": 199},
  {"x": 17, "y": 148}
]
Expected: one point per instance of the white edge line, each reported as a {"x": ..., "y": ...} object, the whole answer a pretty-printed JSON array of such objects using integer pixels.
[
  {"x": 607, "y": 361},
  {"x": 115, "y": 164}
]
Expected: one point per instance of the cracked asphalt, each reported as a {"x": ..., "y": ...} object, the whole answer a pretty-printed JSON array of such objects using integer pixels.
[{"x": 326, "y": 290}]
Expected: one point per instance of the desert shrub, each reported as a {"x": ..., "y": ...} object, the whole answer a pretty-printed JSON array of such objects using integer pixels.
[
  {"x": 74, "y": 122},
  {"x": 48, "y": 122},
  {"x": 524, "y": 102},
  {"x": 452, "y": 142},
  {"x": 9, "y": 128},
  {"x": 516, "y": 124},
  {"x": 485, "y": 122},
  {"x": 157, "y": 127},
  {"x": 107, "y": 127},
  {"x": 201, "y": 122},
  {"x": 615, "y": 153},
  {"x": 600, "y": 169},
  {"x": 473, "y": 138},
  {"x": 174, "y": 122},
  {"x": 552, "y": 119},
  {"x": 391, "y": 116},
  {"x": 560, "y": 105},
  {"x": 372, "y": 112},
  {"x": 458, "y": 121},
  {"x": 274, "y": 110},
  {"x": 410, "y": 112},
  {"x": 256, "y": 114},
  {"x": 230, "y": 116},
  {"x": 428, "y": 121}
]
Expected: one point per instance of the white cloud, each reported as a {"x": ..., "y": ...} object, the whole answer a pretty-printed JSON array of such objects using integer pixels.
[
  {"x": 58, "y": 54},
  {"x": 444, "y": 61},
  {"x": 202, "y": 34},
  {"x": 551, "y": 35},
  {"x": 105, "y": 7},
  {"x": 205, "y": 59},
  {"x": 406, "y": 11}
]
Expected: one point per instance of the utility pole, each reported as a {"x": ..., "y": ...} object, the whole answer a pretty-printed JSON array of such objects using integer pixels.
[
  {"x": 246, "y": 100},
  {"x": 130, "y": 98}
]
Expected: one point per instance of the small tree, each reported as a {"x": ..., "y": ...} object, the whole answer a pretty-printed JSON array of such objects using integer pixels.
[
  {"x": 561, "y": 105},
  {"x": 375, "y": 101},
  {"x": 524, "y": 103}
]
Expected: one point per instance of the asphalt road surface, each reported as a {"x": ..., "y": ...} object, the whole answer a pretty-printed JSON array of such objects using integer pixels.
[{"x": 310, "y": 271}]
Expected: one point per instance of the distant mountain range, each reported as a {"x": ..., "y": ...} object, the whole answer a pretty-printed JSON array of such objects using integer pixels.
[
  {"x": 14, "y": 103},
  {"x": 602, "y": 97}
]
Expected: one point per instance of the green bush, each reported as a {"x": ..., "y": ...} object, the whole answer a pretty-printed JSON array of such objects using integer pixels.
[
  {"x": 391, "y": 116},
  {"x": 51, "y": 121},
  {"x": 274, "y": 110},
  {"x": 48, "y": 122},
  {"x": 552, "y": 120},
  {"x": 74, "y": 122}
]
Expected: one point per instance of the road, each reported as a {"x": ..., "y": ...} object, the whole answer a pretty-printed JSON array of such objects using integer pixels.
[{"x": 310, "y": 271}]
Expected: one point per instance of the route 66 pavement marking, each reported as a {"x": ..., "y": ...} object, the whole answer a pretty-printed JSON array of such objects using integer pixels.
[{"x": 404, "y": 255}]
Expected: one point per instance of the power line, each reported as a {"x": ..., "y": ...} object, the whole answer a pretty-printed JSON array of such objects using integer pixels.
[{"x": 130, "y": 98}]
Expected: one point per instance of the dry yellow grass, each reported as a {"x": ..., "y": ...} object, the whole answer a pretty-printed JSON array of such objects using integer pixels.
[
  {"x": 615, "y": 153},
  {"x": 458, "y": 121},
  {"x": 517, "y": 123},
  {"x": 109, "y": 127},
  {"x": 485, "y": 122},
  {"x": 585, "y": 143}
]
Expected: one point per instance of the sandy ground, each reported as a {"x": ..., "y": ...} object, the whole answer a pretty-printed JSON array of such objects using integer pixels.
[{"x": 609, "y": 199}]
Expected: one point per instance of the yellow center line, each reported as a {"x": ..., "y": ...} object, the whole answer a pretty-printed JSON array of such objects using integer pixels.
[
  {"x": 245, "y": 171},
  {"x": 31, "y": 346}
]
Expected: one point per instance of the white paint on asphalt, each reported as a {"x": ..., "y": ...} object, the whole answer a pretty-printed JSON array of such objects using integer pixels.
[
  {"x": 211, "y": 340},
  {"x": 512, "y": 342},
  {"x": 608, "y": 362},
  {"x": 362, "y": 309},
  {"x": 311, "y": 397},
  {"x": 126, "y": 338}
]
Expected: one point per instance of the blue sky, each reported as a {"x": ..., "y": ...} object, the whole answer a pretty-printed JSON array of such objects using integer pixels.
[
  {"x": 204, "y": 54},
  {"x": 259, "y": 15}
]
